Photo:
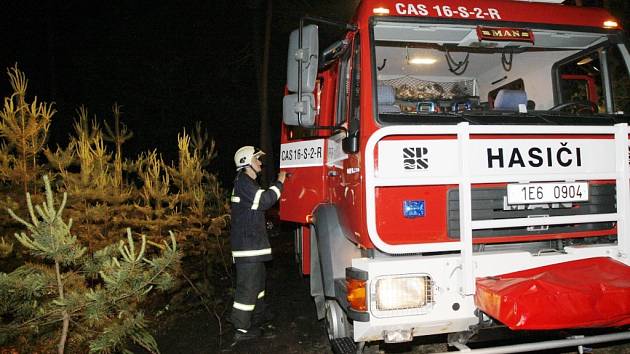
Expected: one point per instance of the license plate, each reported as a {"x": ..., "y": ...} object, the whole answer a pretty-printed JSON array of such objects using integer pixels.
[{"x": 535, "y": 193}]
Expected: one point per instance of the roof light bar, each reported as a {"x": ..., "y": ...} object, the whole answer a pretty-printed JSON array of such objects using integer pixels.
[
  {"x": 380, "y": 11},
  {"x": 547, "y": 1},
  {"x": 611, "y": 24}
]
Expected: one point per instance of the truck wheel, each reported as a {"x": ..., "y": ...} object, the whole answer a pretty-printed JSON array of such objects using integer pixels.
[
  {"x": 337, "y": 325},
  {"x": 339, "y": 330}
]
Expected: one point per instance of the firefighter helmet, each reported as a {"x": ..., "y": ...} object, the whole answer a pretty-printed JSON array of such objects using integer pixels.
[{"x": 243, "y": 156}]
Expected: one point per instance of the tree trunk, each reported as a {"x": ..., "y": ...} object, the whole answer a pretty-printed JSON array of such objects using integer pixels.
[
  {"x": 265, "y": 127},
  {"x": 66, "y": 318},
  {"x": 261, "y": 44},
  {"x": 52, "y": 65}
]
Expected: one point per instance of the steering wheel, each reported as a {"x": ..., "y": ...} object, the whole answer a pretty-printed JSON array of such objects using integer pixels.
[{"x": 576, "y": 107}]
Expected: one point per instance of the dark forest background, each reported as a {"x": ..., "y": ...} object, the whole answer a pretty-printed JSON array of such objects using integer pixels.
[{"x": 167, "y": 63}]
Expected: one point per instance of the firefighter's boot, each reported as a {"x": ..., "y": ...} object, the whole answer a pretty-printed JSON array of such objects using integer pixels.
[
  {"x": 262, "y": 318},
  {"x": 268, "y": 331},
  {"x": 242, "y": 335}
]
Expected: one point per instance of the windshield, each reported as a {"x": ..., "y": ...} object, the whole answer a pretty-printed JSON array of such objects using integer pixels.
[{"x": 429, "y": 70}]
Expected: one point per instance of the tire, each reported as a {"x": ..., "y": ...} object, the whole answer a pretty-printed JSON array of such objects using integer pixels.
[{"x": 337, "y": 324}]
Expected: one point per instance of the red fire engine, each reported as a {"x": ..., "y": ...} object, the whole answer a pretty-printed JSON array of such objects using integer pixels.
[{"x": 461, "y": 165}]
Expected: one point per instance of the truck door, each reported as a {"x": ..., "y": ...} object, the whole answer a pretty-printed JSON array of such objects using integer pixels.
[
  {"x": 303, "y": 157},
  {"x": 346, "y": 187}
]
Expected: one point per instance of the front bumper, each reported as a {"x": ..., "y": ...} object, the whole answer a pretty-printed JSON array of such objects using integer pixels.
[{"x": 451, "y": 310}]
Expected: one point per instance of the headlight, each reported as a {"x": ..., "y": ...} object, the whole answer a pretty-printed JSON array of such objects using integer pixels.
[{"x": 403, "y": 292}]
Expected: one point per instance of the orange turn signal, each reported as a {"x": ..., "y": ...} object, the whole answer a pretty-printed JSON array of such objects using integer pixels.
[{"x": 356, "y": 294}]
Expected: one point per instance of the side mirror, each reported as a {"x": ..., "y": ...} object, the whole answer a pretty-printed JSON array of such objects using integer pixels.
[
  {"x": 308, "y": 55},
  {"x": 350, "y": 144},
  {"x": 291, "y": 106}
]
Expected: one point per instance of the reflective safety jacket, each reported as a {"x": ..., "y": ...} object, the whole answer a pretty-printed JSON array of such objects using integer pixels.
[{"x": 248, "y": 235}]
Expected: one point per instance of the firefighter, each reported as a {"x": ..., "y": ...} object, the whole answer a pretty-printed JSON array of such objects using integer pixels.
[{"x": 250, "y": 244}]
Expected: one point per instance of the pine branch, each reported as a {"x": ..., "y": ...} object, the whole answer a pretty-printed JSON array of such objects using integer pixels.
[{"x": 5, "y": 248}]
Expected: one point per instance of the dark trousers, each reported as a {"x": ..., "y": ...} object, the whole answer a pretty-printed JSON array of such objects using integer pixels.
[{"x": 249, "y": 299}]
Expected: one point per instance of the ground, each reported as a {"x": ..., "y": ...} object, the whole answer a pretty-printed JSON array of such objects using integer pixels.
[{"x": 297, "y": 329}]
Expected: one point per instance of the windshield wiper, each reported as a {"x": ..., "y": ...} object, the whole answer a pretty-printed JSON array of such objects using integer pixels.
[{"x": 564, "y": 118}]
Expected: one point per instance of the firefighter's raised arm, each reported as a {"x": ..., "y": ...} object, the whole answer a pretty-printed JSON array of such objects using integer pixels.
[
  {"x": 254, "y": 197},
  {"x": 268, "y": 197}
]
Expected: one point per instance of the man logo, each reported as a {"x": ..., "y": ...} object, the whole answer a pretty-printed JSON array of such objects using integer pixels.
[{"x": 415, "y": 158}]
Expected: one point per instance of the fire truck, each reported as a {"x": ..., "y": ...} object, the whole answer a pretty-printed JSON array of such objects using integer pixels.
[{"x": 456, "y": 166}]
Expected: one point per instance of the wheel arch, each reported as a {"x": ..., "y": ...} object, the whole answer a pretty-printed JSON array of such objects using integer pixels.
[{"x": 332, "y": 252}]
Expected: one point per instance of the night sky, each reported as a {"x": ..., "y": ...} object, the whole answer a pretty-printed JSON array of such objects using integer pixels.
[{"x": 168, "y": 63}]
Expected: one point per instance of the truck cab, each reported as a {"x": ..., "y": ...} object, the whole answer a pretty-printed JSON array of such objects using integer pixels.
[{"x": 444, "y": 155}]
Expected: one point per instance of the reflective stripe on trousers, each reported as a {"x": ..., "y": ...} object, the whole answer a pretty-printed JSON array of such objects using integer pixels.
[
  {"x": 244, "y": 307},
  {"x": 250, "y": 294},
  {"x": 251, "y": 253}
]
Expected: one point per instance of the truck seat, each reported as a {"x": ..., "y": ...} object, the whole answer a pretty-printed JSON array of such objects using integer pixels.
[
  {"x": 386, "y": 99},
  {"x": 510, "y": 99}
]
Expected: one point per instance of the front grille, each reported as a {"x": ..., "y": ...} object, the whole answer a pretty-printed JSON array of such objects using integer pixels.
[{"x": 489, "y": 204}]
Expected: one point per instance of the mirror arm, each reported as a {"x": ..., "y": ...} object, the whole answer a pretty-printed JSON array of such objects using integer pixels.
[
  {"x": 350, "y": 144},
  {"x": 328, "y": 127},
  {"x": 331, "y": 22}
]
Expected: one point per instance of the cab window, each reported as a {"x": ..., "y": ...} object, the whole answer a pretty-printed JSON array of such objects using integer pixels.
[
  {"x": 343, "y": 89},
  {"x": 354, "y": 114},
  {"x": 620, "y": 80},
  {"x": 580, "y": 81}
]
